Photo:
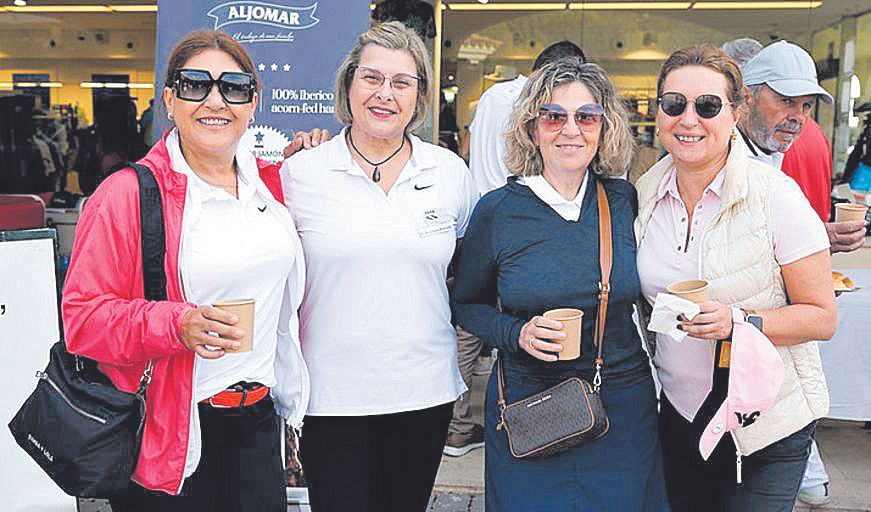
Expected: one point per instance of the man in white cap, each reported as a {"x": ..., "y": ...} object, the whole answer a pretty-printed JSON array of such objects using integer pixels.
[
  {"x": 783, "y": 88},
  {"x": 783, "y": 85}
]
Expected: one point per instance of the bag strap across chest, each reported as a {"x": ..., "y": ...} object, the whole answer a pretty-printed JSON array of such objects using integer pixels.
[{"x": 605, "y": 263}]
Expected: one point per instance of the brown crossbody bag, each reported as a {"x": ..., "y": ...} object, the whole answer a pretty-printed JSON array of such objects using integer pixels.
[{"x": 570, "y": 413}]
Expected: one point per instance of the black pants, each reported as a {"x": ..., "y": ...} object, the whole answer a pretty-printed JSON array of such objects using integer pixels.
[
  {"x": 770, "y": 476},
  {"x": 381, "y": 463},
  {"x": 240, "y": 467}
]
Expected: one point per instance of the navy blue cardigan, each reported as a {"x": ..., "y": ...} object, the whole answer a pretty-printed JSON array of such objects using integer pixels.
[{"x": 519, "y": 249}]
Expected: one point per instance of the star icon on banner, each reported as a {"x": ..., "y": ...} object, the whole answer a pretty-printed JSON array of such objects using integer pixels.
[
  {"x": 274, "y": 67},
  {"x": 286, "y": 67},
  {"x": 261, "y": 67},
  {"x": 258, "y": 137}
]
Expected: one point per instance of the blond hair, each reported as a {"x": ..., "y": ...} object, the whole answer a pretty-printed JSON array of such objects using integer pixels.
[
  {"x": 615, "y": 139},
  {"x": 392, "y": 35}
]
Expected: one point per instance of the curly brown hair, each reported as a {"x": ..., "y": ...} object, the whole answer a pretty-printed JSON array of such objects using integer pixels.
[{"x": 616, "y": 144}]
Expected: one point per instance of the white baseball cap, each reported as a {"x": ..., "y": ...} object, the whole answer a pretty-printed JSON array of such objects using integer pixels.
[{"x": 787, "y": 69}]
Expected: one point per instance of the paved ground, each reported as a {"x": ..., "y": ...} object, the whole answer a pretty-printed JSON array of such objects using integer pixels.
[{"x": 845, "y": 446}]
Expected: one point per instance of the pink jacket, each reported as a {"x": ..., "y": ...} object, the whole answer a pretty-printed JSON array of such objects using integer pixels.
[{"x": 107, "y": 319}]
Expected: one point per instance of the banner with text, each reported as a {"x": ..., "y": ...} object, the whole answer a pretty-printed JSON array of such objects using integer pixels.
[{"x": 296, "y": 46}]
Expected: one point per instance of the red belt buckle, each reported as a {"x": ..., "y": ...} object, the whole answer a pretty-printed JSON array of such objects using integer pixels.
[{"x": 244, "y": 398}]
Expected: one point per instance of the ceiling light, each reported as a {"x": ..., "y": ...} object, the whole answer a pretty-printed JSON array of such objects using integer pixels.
[
  {"x": 60, "y": 8},
  {"x": 116, "y": 85},
  {"x": 133, "y": 8},
  {"x": 483, "y": 1},
  {"x": 645, "y": 54},
  {"x": 21, "y": 6},
  {"x": 543, "y": 6},
  {"x": 620, "y": 6},
  {"x": 758, "y": 5}
]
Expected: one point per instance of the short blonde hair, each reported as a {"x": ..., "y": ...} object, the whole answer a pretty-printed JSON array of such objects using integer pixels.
[
  {"x": 392, "y": 35},
  {"x": 615, "y": 140}
]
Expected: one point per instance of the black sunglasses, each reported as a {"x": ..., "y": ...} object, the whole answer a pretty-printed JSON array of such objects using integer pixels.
[
  {"x": 553, "y": 117},
  {"x": 235, "y": 87},
  {"x": 675, "y": 103}
]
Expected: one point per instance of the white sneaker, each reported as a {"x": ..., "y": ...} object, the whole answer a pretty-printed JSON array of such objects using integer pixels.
[
  {"x": 815, "y": 495},
  {"x": 458, "y": 445}
]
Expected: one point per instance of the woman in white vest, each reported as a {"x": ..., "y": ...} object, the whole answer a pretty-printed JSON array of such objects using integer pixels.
[{"x": 708, "y": 211}]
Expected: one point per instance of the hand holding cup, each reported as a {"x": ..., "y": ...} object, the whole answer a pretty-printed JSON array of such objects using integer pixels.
[
  {"x": 197, "y": 326},
  {"x": 535, "y": 336}
]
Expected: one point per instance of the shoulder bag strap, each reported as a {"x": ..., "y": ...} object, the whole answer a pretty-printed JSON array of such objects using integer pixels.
[
  {"x": 153, "y": 245},
  {"x": 605, "y": 261}
]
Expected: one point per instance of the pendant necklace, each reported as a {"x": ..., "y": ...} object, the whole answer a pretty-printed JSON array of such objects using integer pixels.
[{"x": 376, "y": 174}]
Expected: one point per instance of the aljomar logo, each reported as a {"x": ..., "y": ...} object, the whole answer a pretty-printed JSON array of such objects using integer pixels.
[{"x": 257, "y": 15}]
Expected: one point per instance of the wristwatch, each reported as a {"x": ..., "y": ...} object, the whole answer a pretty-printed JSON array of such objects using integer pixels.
[
  {"x": 747, "y": 315},
  {"x": 754, "y": 320}
]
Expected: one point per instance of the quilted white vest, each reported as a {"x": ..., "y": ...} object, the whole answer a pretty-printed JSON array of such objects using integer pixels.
[{"x": 737, "y": 259}]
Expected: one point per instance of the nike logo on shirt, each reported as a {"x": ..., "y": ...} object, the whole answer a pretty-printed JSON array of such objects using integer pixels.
[
  {"x": 422, "y": 187},
  {"x": 263, "y": 209}
]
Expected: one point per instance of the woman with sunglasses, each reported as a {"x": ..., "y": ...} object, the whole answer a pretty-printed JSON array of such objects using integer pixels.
[
  {"x": 379, "y": 213},
  {"x": 709, "y": 211},
  {"x": 211, "y": 440},
  {"x": 532, "y": 246}
]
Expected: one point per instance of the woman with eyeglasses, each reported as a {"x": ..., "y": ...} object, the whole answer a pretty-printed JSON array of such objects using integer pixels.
[
  {"x": 532, "y": 246},
  {"x": 211, "y": 440},
  {"x": 709, "y": 211},
  {"x": 380, "y": 213}
]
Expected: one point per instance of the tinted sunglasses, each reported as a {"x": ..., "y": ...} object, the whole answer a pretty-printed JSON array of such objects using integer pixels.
[
  {"x": 675, "y": 103},
  {"x": 235, "y": 87},
  {"x": 554, "y": 117}
]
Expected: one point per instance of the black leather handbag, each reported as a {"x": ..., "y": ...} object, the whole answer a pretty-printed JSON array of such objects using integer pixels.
[
  {"x": 80, "y": 429},
  {"x": 570, "y": 413}
]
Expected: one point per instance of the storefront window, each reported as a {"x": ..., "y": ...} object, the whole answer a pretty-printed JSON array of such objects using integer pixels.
[{"x": 56, "y": 69}]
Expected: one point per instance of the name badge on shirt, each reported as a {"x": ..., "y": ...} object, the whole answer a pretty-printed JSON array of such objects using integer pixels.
[{"x": 434, "y": 223}]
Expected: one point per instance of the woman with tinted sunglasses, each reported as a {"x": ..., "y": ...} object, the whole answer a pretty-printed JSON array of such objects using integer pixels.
[
  {"x": 532, "y": 246},
  {"x": 211, "y": 440},
  {"x": 709, "y": 211}
]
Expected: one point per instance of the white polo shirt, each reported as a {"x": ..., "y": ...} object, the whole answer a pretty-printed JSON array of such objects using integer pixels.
[
  {"x": 375, "y": 321},
  {"x": 569, "y": 210},
  {"x": 774, "y": 159},
  {"x": 487, "y": 146},
  {"x": 235, "y": 248}
]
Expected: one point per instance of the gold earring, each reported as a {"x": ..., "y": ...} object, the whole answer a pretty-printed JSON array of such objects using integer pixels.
[
  {"x": 657, "y": 132},
  {"x": 169, "y": 116}
]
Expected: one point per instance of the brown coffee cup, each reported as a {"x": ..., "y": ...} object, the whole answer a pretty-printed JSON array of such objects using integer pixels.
[
  {"x": 694, "y": 290},
  {"x": 571, "y": 320},
  {"x": 850, "y": 211},
  {"x": 244, "y": 310}
]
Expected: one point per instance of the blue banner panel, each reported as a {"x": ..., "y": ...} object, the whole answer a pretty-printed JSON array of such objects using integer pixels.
[{"x": 296, "y": 45}]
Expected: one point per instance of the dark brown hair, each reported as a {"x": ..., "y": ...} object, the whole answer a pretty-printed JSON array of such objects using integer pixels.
[
  {"x": 199, "y": 41},
  {"x": 708, "y": 56}
]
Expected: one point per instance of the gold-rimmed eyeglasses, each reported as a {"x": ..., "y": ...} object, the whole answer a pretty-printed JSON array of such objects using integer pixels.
[{"x": 400, "y": 83}]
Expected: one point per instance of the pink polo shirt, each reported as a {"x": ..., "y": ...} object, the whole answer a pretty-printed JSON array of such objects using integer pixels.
[{"x": 666, "y": 254}]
